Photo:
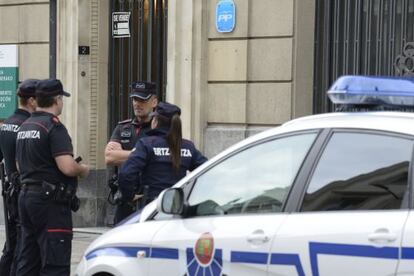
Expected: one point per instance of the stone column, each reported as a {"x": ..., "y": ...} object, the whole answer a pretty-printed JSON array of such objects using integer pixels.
[
  {"x": 186, "y": 64},
  {"x": 85, "y": 23},
  {"x": 303, "y": 58}
]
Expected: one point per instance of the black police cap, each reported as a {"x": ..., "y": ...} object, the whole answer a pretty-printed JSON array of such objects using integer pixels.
[
  {"x": 27, "y": 88},
  {"x": 143, "y": 90},
  {"x": 166, "y": 110},
  {"x": 50, "y": 88}
]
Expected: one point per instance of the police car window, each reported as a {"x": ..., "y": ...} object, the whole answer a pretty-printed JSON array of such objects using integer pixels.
[
  {"x": 360, "y": 171},
  {"x": 256, "y": 180}
]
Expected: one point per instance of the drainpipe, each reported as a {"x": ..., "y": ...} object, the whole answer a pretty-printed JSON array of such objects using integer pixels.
[{"x": 52, "y": 38}]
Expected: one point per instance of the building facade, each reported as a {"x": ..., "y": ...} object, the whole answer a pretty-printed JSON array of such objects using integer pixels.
[{"x": 229, "y": 85}]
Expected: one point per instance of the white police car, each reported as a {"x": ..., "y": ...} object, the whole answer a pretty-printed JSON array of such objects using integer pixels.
[{"x": 328, "y": 194}]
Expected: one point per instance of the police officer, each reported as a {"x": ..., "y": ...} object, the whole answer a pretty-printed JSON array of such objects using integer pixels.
[
  {"x": 49, "y": 177},
  {"x": 127, "y": 133},
  {"x": 8, "y": 134},
  {"x": 162, "y": 158}
]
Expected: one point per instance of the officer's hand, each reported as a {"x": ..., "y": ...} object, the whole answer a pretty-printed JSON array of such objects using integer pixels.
[
  {"x": 84, "y": 170},
  {"x": 113, "y": 146},
  {"x": 136, "y": 197}
]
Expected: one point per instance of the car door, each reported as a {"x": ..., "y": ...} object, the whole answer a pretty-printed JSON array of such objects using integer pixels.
[
  {"x": 406, "y": 264},
  {"x": 234, "y": 210},
  {"x": 353, "y": 210}
]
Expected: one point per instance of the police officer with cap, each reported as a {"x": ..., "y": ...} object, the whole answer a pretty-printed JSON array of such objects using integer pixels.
[
  {"x": 127, "y": 133},
  {"x": 162, "y": 158},
  {"x": 49, "y": 174},
  {"x": 8, "y": 134}
]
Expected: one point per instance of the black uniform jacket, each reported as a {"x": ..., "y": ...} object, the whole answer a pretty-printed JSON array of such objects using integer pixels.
[
  {"x": 150, "y": 164},
  {"x": 129, "y": 131},
  {"x": 8, "y": 134},
  {"x": 40, "y": 139}
]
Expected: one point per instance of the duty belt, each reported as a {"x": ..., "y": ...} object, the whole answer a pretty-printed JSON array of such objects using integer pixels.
[{"x": 37, "y": 187}]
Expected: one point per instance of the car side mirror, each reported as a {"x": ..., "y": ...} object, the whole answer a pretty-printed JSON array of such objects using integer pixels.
[{"x": 171, "y": 201}]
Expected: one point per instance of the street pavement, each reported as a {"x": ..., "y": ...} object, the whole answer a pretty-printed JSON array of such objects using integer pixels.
[{"x": 82, "y": 237}]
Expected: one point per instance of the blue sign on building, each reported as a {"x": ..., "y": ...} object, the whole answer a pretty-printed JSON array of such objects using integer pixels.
[{"x": 225, "y": 16}]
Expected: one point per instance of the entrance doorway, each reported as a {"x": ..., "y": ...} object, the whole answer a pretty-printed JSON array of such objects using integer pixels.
[{"x": 139, "y": 56}]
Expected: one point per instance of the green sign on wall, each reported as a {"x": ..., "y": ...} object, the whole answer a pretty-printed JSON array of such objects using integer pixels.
[{"x": 8, "y": 79}]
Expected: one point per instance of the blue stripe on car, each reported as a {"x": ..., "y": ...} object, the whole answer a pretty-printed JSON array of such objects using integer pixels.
[
  {"x": 129, "y": 251},
  {"x": 120, "y": 251},
  {"x": 249, "y": 257},
  {"x": 407, "y": 253},
  {"x": 316, "y": 249},
  {"x": 287, "y": 259},
  {"x": 164, "y": 253}
]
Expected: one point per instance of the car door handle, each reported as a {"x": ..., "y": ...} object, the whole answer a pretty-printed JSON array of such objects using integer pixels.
[
  {"x": 382, "y": 235},
  {"x": 141, "y": 254},
  {"x": 258, "y": 237}
]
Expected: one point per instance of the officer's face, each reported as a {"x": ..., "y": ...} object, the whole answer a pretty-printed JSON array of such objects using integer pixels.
[
  {"x": 33, "y": 104},
  {"x": 59, "y": 101},
  {"x": 143, "y": 108}
]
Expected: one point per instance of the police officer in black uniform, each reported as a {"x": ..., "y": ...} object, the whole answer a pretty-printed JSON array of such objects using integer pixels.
[
  {"x": 49, "y": 178},
  {"x": 127, "y": 133},
  {"x": 8, "y": 134},
  {"x": 162, "y": 158}
]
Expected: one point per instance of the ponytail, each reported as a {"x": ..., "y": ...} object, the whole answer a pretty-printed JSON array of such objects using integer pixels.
[{"x": 174, "y": 140}]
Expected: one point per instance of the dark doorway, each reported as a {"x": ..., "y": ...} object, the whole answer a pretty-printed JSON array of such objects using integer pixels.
[
  {"x": 361, "y": 37},
  {"x": 141, "y": 56}
]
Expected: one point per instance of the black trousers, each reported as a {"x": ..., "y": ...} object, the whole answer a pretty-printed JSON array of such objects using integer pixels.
[
  {"x": 122, "y": 211},
  {"x": 8, "y": 260},
  {"x": 46, "y": 235}
]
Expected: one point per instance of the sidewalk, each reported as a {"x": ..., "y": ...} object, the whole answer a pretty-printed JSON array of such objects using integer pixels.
[{"x": 82, "y": 237}]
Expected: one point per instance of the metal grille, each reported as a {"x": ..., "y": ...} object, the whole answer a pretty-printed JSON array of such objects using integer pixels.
[
  {"x": 360, "y": 37},
  {"x": 142, "y": 56}
]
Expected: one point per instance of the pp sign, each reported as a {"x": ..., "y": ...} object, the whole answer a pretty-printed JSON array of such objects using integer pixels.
[{"x": 225, "y": 16}]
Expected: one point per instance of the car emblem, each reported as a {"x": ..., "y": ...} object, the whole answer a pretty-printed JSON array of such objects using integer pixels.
[
  {"x": 204, "y": 258},
  {"x": 204, "y": 249}
]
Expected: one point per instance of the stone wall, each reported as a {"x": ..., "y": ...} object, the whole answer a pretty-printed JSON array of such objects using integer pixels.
[
  {"x": 85, "y": 114},
  {"x": 259, "y": 76},
  {"x": 229, "y": 86},
  {"x": 16, "y": 27}
]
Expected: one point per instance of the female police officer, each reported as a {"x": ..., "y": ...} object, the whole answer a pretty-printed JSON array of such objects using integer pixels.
[{"x": 161, "y": 159}]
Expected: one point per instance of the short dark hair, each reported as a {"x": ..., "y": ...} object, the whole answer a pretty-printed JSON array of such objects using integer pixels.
[
  {"x": 45, "y": 101},
  {"x": 23, "y": 101}
]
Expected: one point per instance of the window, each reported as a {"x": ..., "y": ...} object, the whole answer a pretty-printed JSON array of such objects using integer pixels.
[
  {"x": 360, "y": 172},
  {"x": 256, "y": 180}
]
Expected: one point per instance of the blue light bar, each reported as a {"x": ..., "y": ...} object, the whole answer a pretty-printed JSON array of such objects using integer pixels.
[{"x": 363, "y": 90}]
